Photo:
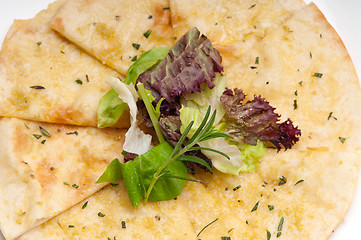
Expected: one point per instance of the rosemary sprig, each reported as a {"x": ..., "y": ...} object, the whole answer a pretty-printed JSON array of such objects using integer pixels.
[{"x": 204, "y": 132}]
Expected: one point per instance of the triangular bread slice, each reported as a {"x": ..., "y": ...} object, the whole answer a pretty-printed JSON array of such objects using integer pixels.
[
  {"x": 108, "y": 214},
  {"x": 235, "y": 24},
  {"x": 116, "y": 31},
  {"x": 310, "y": 190},
  {"x": 47, "y": 168},
  {"x": 44, "y": 77}
]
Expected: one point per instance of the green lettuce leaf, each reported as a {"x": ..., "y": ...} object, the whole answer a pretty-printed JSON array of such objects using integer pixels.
[
  {"x": 154, "y": 113},
  {"x": 138, "y": 174},
  {"x": 242, "y": 157},
  {"x": 198, "y": 102},
  {"x": 251, "y": 154},
  {"x": 110, "y": 107},
  {"x": 146, "y": 61},
  {"x": 187, "y": 115},
  {"x": 112, "y": 173}
]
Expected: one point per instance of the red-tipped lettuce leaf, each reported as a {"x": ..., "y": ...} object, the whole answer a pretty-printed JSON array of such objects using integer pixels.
[
  {"x": 256, "y": 119},
  {"x": 191, "y": 62}
]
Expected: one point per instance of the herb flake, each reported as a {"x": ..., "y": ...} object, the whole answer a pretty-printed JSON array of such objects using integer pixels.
[
  {"x": 134, "y": 58},
  {"x": 330, "y": 115},
  {"x": 236, "y": 188},
  {"x": 124, "y": 225},
  {"x": 38, "y": 87},
  {"x": 271, "y": 207},
  {"x": 255, "y": 207},
  {"x": 282, "y": 181},
  {"x": 319, "y": 75},
  {"x": 342, "y": 139},
  {"x": 136, "y": 45},
  {"x": 78, "y": 81},
  {"x": 207, "y": 226},
  {"x": 280, "y": 226},
  {"x": 225, "y": 238},
  {"x": 72, "y": 133},
  {"x": 100, "y": 214},
  {"x": 268, "y": 235},
  {"x": 44, "y": 132},
  {"x": 299, "y": 181},
  {"x": 37, "y": 136},
  {"x": 147, "y": 33},
  {"x": 84, "y": 205}
]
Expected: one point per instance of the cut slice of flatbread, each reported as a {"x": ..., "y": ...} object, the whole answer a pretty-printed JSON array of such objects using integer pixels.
[
  {"x": 235, "y": 24},
  {"x": 108, "y": 214},
  {"x": 44, "y": 77},
  {"x": 116, "y": 31},
  {"x": 311, "y": 191},
  {"x": 47, "y": 168},
  {"x": 305, "y": 72}
]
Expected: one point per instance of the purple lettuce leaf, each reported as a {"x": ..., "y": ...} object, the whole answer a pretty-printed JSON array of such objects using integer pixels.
[
  {"x": 256, "y": 119},
  {"x": 288, "y": 135},
  {"x": 191, "y": 62}
]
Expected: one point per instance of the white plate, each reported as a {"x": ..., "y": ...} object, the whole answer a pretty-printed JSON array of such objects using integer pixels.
[{"x": 344, "y": 16}]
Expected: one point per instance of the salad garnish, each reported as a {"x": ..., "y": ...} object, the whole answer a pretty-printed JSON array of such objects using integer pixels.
[
  {"x": 159, "y": 174},
  {"x": 179, "y": 88}
]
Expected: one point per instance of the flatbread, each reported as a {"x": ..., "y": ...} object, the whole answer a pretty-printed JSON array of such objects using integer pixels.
[
  {"x": 235, "y": 24},
  {"x": 33, "y": 55},
  {"x": 302, "y": 193},
  {"x": 107, "y": 29},
  {"x": 42, "y": 176},
  {"x": 166, "y": 220}
]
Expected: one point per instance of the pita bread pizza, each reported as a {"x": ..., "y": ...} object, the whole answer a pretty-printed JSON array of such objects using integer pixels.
[{"x": 169, "y": 119}]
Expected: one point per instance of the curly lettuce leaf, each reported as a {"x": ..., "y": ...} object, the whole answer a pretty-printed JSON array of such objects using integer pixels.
[
  {"x": 256, "y": 120},
  {"x": 191, "y": 62}
]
